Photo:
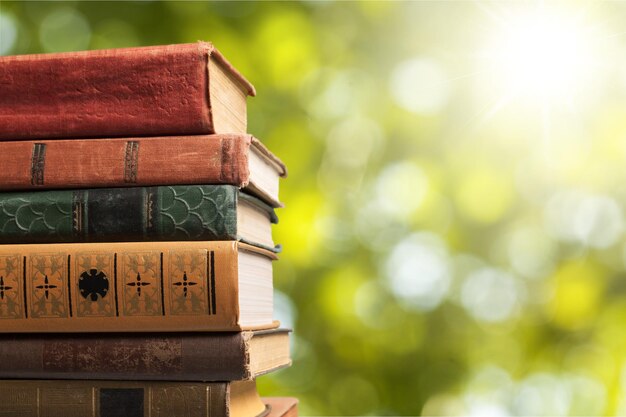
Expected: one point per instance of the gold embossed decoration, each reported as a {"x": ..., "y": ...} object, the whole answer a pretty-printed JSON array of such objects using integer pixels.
[
  {"x": 19, "y": 401},
  {"x": 67, "y": 402},
  {"x": 48, "y": 295},
  {"x": 166, "y": 400},
  {"x": 96, "y": 285},
  {"x": 141, "y": 284},
  {"x": 11, "y": 287},
  {"x": 188, "y": 283}
]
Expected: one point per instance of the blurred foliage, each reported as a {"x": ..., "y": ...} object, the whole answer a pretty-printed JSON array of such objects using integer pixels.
[{"x": 446, "y": 251}]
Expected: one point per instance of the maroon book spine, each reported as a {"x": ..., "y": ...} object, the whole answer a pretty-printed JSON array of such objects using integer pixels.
[
  {"x": 180, "y": 357},
  {"x": 147, "y": 91}
]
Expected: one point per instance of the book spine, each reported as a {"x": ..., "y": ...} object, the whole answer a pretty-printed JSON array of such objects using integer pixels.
[
  {"x": 194, "y": 212},
  {"x": 107, "y": 287},
  {"x": 113, "y": 399},
  {"x": 188, "y": 357},
  {"x": 125, "y": 162},
  {"x": 142, "y": 91}
]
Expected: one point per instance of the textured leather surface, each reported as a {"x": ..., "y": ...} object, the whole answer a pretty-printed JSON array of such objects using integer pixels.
[
  {"x": 193, "y": 212},
  {"x": 35, "y": 214},
  {"x": 196, "y": 212}
]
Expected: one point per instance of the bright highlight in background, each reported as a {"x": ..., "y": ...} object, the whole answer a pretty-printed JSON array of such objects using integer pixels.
[{"x": 540, "y": 56}]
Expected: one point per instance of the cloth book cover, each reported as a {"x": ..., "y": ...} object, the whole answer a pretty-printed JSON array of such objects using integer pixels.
[{"x": 186, "y": 89}]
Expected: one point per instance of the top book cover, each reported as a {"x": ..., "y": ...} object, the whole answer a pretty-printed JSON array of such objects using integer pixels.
[{"x": 184, "y": 89}]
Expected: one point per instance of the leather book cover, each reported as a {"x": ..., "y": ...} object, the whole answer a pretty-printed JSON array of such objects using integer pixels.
[
  {"x": 185, "y": 89},
  {"x": 127, "y": 286},
  {"x": 215, "y": 356},
  {"x": 35, "y": 398},
  {"x": 165, "y": 213},
  {"x": 131, "y": 162}
]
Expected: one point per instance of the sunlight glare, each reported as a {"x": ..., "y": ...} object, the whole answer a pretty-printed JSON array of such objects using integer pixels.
[{"x": 541, "y": 56}]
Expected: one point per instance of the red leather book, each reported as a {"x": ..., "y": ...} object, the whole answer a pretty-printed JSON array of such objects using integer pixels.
[
  {"x": 239, "y": 160},
  {"x": 181, "y": 89}
]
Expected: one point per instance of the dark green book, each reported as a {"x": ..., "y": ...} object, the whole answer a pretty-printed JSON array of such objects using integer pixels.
[{"x": 167, "y": 213}]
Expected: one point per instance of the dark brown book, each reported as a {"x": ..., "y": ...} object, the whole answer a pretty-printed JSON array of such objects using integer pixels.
[
  {"x": 186, "y": 89},
  {"x": 224, "y": 356},
  {"x": 239, "y": 160},
  {"x": 21, "y": 398},
  {"x": 281, "y": 406}
]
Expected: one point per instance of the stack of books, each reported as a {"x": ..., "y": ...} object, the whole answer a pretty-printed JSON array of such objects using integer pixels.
[{"x": 135, "y": 237}]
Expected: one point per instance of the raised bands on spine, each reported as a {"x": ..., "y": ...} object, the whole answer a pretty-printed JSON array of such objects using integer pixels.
[
  {"x": 162, "y": 288},
  {"x": 131, "y": 162},
  {"x": 38, "y": 163},
  {"x": 117, "y": 310},
  {"x": 213, "y": 297},
  {"x": 24, "y": 282},
  {"x": 226, "y": 161},
  {"x": 69, "y": 283}
]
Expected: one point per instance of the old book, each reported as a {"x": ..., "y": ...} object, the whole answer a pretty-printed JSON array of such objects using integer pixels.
[
  {"x": 185, "y": 212},
  {"x": 135, "y": 286},
  {"x": 213, "y": 356},
  {"x": 39, "y": 398},
  {"x": 239, "y": 160},
  {"x": 281, "y": 406},
  {"x": 185, "y": 89}
]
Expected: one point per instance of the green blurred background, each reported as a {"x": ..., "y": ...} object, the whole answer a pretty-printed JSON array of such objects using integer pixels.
[{"x": 454, "y": 224}]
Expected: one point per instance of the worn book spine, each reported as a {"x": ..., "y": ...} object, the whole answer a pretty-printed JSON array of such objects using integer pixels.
[
  {"x": 127, "y": 162},
  {"x": 159, "y": 90},
  {"x": 166, "y": 213},
  {"x": 131, "y": 286},
  {"x": 114, "y": 399},
  {"x": 218, "y": 356}
]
